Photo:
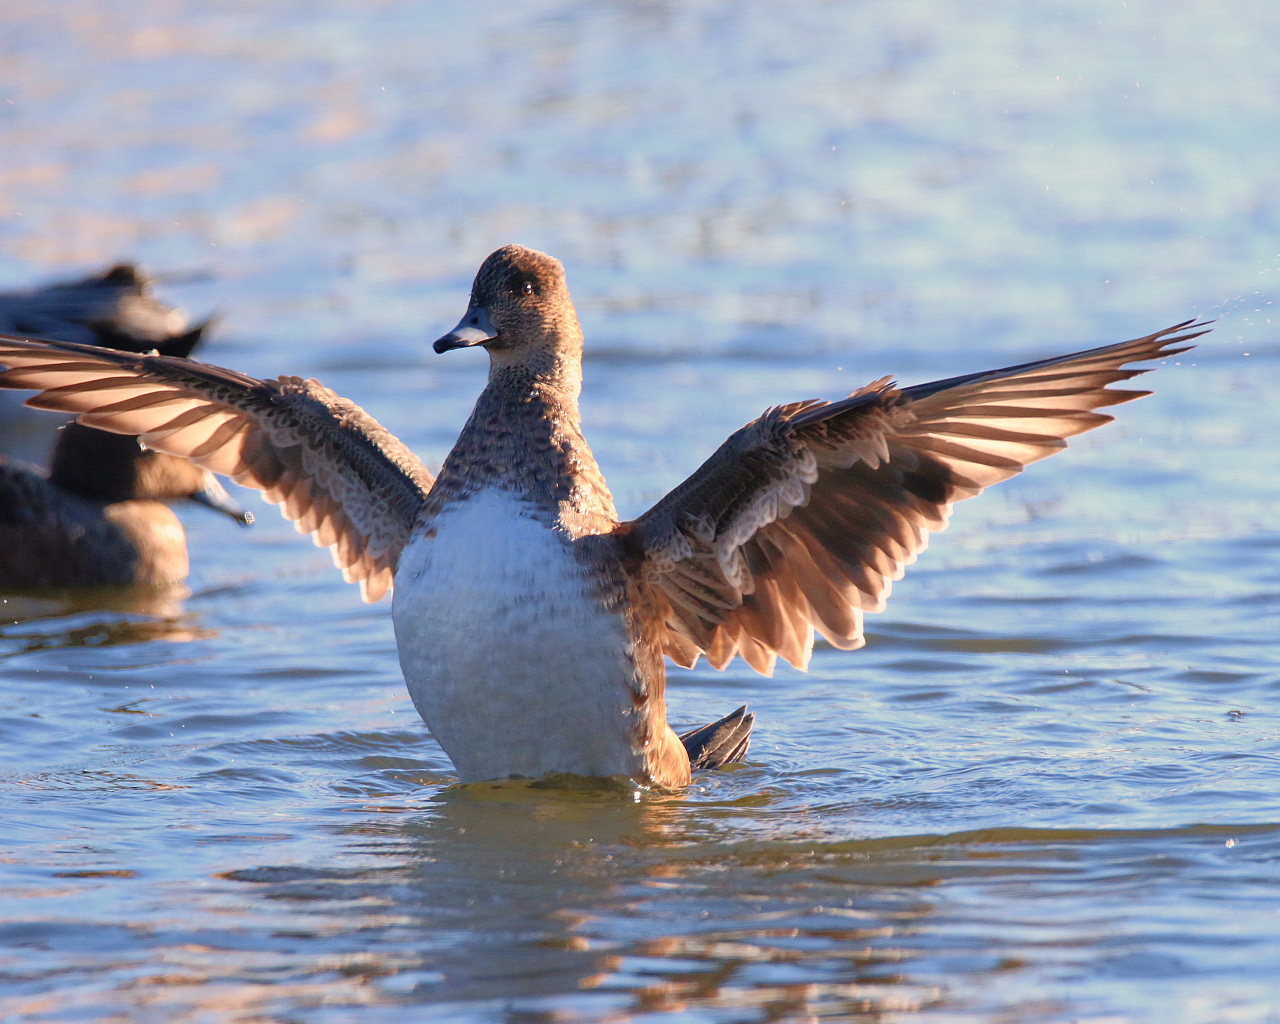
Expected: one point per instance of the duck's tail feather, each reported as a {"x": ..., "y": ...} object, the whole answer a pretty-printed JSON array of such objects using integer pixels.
[{"x": 720, "y": 743}]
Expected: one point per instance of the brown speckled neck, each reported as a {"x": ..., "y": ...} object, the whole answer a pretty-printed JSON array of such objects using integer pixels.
[{"x": 525, "y": 436}]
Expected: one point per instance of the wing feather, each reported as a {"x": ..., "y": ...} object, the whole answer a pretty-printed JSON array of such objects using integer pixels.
[
  {"x": 332, "y": 469},
  {"x": 804, "y": 518}
]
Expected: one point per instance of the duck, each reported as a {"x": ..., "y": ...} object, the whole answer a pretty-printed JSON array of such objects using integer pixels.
[
  {"x": 99, "y": 517},
  {"x": 533, "y": 623},
  {"x": 116, "y": 307}
]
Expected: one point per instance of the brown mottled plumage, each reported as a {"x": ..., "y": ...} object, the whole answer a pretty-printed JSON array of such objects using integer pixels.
[
  {"x": 800, "y": 521},
  {"x": 803, "y": 519}
]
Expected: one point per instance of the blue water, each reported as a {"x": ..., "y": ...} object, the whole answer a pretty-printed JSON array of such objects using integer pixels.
[{"x": 1047, "y": 790}]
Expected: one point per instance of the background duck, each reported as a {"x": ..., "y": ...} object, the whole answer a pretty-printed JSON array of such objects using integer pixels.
[
  {"x": 116, "y": 308},
  {"x": 98, "y": 517}
]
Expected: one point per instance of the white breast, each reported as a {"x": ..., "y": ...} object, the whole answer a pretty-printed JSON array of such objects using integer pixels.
[{"x": 510, "y": 659}]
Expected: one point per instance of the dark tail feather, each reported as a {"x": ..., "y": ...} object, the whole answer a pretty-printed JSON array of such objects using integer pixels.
[{"x": 720, "y": 743}]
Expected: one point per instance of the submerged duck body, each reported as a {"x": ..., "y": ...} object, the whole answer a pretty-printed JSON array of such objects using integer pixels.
[{"x": 533, "y": 624}]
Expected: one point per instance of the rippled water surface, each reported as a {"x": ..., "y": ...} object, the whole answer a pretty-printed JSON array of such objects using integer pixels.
[{"x": 1047, "y": 790}]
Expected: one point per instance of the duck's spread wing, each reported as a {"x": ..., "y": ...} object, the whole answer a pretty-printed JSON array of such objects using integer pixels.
[
  {"x": 329, "y": 465},
  {"x": 804, "y": 518}
]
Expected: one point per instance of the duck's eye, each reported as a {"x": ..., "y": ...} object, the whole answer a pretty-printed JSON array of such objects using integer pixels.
[{"x": 527, "y": 288}]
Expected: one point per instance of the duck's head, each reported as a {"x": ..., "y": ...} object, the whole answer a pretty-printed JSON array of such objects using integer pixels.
[
  {"x": 112, "y": 467},
  {"x": 520, "y": 306}
]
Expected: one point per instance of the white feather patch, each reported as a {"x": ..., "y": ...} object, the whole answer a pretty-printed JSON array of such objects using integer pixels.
[{"x": 509, "y": 656}]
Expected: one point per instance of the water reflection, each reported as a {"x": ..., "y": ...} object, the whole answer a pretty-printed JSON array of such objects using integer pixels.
[
  {"x": 510, "y": 903},
  {"x": 586, "y": 906},
  {"x": 96, "y": 618},
  {"x": 642, "y": 904}
]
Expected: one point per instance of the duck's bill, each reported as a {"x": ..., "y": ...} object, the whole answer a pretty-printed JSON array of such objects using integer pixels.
[
  {"x": 213, "y": 495},
  {"x": 473, "y": 329}
]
